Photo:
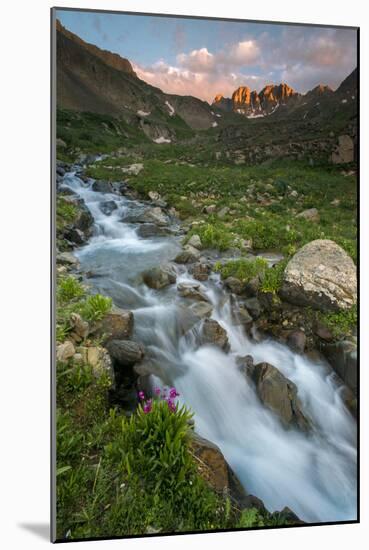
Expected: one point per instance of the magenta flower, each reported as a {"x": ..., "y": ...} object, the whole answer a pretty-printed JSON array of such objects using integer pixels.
[
  {"x": 157, "y": 391},
  {"x": 171, "y": 405},
  {"x": 173, "y": 393},
  {"x": 147, "y": 406},
  {"x": 141, "y": 395}
]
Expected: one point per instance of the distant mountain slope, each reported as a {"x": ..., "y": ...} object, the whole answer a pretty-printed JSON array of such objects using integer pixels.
[{"x": 95, "y": 80}]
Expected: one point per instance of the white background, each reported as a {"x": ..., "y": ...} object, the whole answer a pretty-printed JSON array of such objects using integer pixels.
[{"x": 24, "y": 219}]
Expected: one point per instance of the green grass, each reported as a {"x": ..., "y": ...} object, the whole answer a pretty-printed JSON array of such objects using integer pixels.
[
  {"x": 271, "y": 226},
  {"x": 340, "y": 323},
  {"x": 243, "y": 269},
  {"x": 72, "y": 297}
]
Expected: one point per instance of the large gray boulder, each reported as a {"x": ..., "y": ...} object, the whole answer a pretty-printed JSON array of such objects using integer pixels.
[
  {"x": 126, "y": 352},
  {"x": 320, "y": 275},
  {"x": 279, "y": 394},
  {"x": 213, "y": 333},
  {"x": 159, "y": 277}
]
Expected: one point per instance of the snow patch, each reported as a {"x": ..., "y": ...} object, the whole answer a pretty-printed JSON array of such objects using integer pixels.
[
  {"x": 255, "y": 115},
  {"x": 352, "y": 97},
  {"x": 212, "y": 112},
  {"x": 214, "y": 124},
  {"x": 162, "y": 139},
  {"x": 170, "y": 107},
  {"x": 218, "y": 115},
  {"x": 143, "y": 113},
  {"x": 344, "y": 101}
]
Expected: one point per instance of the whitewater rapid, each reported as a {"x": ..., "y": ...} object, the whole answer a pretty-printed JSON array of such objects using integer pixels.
[{"x": 314, "y": 474}]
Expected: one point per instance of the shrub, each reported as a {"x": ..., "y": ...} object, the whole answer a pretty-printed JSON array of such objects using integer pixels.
[
  {"x": 214, "y": 235},
  {"x": 342, "y": 322},
  {"x": 68, "y": 289},
  {"x": 273, "y": 277},
  {"x": 95, "y": 307},
  {"x": 243, "y": 269}
]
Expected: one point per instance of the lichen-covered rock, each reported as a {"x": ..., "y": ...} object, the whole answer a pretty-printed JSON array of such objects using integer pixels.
[
  {"x": 65, "y": 351},
  {"x": 320, "y": 275},
  {"x": 311, "y": 215}
]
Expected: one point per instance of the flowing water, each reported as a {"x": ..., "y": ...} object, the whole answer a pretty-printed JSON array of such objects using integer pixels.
[{"x": 313, "y": 474}]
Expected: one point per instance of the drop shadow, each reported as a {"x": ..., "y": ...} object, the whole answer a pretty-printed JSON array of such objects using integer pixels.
[{"x": 42, "y": 530}]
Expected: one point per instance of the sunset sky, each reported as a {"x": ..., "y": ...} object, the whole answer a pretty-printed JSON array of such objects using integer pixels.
[{"x": 203, "y": 58}]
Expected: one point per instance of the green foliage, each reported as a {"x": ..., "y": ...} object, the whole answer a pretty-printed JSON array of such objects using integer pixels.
[
  {"x": 95, "y": 307},
  {"x": 119, "y": 475},
  {"x": 214, "y": 235},
  {"x": 66, "y": 213},
  {"x": 69, "y": 288},
  {"x": 272, "y": 278},
  {"x": 71, "y": 298},
  {"x": 341, "y": 322},
  {"x": 243, "y": 269},
  {"x": 250, "y": 517}
]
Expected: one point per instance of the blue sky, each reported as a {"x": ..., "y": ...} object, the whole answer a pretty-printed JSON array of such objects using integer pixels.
[{"x": 202, "y": 57}]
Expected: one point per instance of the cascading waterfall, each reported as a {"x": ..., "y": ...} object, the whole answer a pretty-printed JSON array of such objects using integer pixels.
[{"x": 314, "y": 474}]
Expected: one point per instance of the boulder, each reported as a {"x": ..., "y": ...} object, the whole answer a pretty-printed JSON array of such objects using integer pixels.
[
  {"x": 125, "y": 352},
  {"x": 320, "y": 275},
  {"x": 147, "y": 230},
  {"x": 154, "y": 195},
  {"x": 159, "y": 277},
  {"x": 65, "y": 351},
  {"x": 84, "y": 220},
  {"x": 98, "y": 358},
  {"x": 192, "y": 291},
  {"x": 213, "y": 333},
  {"x": 235, "y": 285},
  {"x": 296, "y": 340},
  {"x": 210, "y": 209},
  {"x": 201, "y": 309},
  {"x": 253, "y": 306},
  {"x": 240, "y": 314},
  {"x": 195, "y": 241},
  {"x": 74, "y": 235},
  {"x": 67, "y": 258},
  {"x": 214, "y": 469},
  {"x": 115, "y": 325},
  {"x": 342, "y": 356},
  {"x": 279, "y": 394},
  {"x": 80, "y": 328},
  {"x": 155, "y": 215},
  {"x": 189, "y": 255},
  {"x": 200, "y": 271},
  {"x": 311, "y": 215},
  {"x": 101, "y": 186},
  {"x": 107, "y": 207},
  {"x": 246, "y": 364}
]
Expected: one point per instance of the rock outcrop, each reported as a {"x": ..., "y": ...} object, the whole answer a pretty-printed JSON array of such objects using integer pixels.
[{"x": 320, "y": 275}]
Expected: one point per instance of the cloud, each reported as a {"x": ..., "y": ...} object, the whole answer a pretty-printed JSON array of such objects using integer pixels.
[
  {"x": 244, "y": 52},
  {"x": 205, "y": 85},
  {"x": 201, "y": 61},
  {"x": 302, "y": 57}
]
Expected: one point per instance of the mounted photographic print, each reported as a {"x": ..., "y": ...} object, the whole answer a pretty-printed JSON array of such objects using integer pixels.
[{"x": 204, "y": 373}]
